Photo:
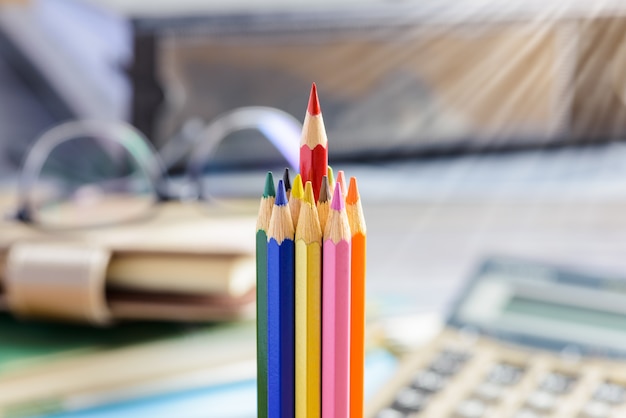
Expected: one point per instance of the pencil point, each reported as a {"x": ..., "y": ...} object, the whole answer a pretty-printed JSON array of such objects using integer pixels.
[
  {"x": 331, "y": 175},
  {"x": 353, "y": 192},
  {"x": 337, "y": 203},
  {"x": 281, "y": 195},
  {"x": 286, "y": 179},
  {"x": 297, "y": 190},
  {"x": 314, "y": 102},
  {"x": 270, "y": 190},
  {"x": 341, "y": 179},
  {"x": 324, "y": 192},
  {"x": 308, "y": 194}
]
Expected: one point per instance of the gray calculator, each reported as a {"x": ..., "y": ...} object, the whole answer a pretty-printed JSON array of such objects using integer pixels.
[{"x": 523, "y": 340}]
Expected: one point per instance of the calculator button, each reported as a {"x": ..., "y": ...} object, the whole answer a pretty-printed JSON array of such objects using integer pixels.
[
  {"x": 489, "y": 392},
  {"x": 505, "y": 374},
  {"x": 557, "y": 383},
  {"x": 456, "y": 355},
  {"x": 429, "y": 381},
  {"x": 410, "y": 400},
  {"x": 610, "y": 393},
  {"x": 595, "y": 409},
  {"x": 391, "y": 413},
  {"x": 471, "y": 408},
  {"x": 445, "y": 365},
  {"x": 541, "y": 401},
  {"x": 527, "y": 413}
]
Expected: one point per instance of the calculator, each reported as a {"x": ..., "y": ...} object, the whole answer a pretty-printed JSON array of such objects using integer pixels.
[{"x": 523, "y": 340}]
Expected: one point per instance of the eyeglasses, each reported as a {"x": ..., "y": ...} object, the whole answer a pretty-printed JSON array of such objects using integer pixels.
[{"x": 91, "y": 173}]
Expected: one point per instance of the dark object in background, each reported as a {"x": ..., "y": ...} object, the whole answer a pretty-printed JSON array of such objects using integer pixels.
[
  {"x": 148, "y": 96},
  {"x": 396, "y": 81}
]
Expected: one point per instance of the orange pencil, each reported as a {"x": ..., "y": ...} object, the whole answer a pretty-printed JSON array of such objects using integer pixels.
[{"x": 357, "y": 298}]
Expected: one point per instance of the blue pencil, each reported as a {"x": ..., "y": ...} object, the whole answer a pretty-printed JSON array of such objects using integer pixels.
[{"x": 281, "y": 309}]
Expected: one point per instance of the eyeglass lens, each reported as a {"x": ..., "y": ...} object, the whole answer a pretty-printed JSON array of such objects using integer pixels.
[{"x": 89, "y": 180}]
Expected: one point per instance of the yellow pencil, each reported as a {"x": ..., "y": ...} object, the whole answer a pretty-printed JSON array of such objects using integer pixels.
[
  {"x": 295, "y": 200},
  {"x": 308, "y": 308}
]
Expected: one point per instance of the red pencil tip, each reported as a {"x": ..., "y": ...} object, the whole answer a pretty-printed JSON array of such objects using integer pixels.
[{"x": 314, "y": 102}]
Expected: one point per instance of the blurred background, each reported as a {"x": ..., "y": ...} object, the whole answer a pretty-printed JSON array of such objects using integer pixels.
[{"x": 476, "y": 128}]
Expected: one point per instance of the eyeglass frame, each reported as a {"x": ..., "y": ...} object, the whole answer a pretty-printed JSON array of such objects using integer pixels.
[{"x": 279, "y": 127}]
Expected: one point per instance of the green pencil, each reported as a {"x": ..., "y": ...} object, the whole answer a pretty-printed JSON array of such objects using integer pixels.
[{"x": 263, "y": 222}]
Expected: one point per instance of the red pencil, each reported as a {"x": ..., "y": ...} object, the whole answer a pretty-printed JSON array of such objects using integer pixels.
[{"x": 314, "y": 145}]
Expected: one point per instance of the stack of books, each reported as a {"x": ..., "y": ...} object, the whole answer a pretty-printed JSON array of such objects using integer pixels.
[{"x": 182, "y": 263}]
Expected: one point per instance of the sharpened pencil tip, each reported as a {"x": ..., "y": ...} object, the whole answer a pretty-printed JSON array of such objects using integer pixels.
[
  {"x": 341, "y": 179},
  {"x": 353, "y": 192},
  {"x": 281, "y": 195},
  {"x": 324, "y": 190},
  {"x": 287, "y": 179},
  {"x": 337, "y": 203},
  {"x": 269, "y": 190},
  {"x": 314, "y": 102},
  {"x": 331, "y": 175},
  {"x": 308, "y": 194},
  {"x": 297, "y": 190}
]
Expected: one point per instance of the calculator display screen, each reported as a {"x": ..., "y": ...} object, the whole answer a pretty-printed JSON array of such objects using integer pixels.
[
  {"x": 545, "y": 306},
  {"x": 610, "y": 321}
]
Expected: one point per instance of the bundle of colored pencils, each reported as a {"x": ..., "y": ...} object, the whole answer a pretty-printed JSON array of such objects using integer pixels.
[{"x": 311, "y": 245}]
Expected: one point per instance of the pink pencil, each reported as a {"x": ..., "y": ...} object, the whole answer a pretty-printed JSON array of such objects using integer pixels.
[{"x": 336, "y": 311}]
